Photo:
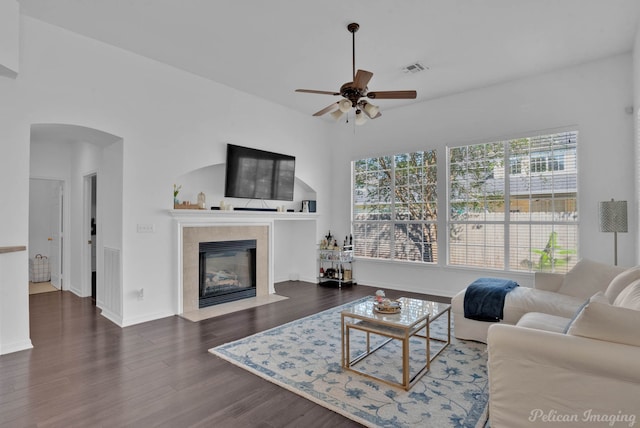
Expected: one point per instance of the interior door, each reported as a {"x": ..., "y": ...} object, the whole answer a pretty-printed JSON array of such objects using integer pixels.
[{"x": 56, "y": 236}]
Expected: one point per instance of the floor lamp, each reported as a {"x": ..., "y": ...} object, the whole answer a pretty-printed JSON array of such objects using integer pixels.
[{"x": 613, "y": 218}]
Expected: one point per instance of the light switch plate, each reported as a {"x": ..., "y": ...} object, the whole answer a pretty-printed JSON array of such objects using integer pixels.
[{"x": 146, "y": 228}]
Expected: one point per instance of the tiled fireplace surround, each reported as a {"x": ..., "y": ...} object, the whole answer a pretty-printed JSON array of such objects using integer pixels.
[
  {"x": 195, "y": 226},
  {"x": 191, "y": 238}
]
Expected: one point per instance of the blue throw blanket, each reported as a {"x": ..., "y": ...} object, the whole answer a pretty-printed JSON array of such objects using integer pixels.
[{"x": 484, "y": 298}]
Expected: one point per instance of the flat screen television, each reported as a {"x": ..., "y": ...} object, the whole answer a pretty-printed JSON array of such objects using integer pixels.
[{"x": 258, "y": 174}]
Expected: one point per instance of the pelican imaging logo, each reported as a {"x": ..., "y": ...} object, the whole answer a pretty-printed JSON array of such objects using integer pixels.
[{"x": 587, "y": 417}]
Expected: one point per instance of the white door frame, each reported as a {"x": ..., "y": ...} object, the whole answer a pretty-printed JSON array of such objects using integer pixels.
[
  {"x": 57, "y": 232},
  {"x": 87, "y": 193}
]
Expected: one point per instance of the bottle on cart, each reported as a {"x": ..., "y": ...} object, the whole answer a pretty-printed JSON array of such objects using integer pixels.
[{"x": 321, "y": 272}]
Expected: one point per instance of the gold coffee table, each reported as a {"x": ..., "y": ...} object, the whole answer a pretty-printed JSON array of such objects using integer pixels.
[{"x": 414, "y": 317}]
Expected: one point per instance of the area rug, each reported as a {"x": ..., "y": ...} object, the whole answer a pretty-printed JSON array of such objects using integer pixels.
[{"x": 303, "y": 356}]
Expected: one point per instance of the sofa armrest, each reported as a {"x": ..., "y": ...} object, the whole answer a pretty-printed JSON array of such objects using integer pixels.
[
  {"x": 535, "y": 374},
  {"x": 547, "y": 281}
]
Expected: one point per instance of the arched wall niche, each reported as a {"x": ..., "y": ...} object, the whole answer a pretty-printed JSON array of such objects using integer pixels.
[{"x": 210, "y": 181}]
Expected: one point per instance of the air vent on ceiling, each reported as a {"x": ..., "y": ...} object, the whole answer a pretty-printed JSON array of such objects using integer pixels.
[{"x": 416, "y": 67}]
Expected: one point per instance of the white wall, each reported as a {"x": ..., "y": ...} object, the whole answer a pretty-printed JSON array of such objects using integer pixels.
[
  {"x": 591, "y": 98},
  {"x": 14, "y": 227},
  {"x": 9, "y": 31},
  {"x": 171, "y": 122},
  {"x": 14, "y": 331}
]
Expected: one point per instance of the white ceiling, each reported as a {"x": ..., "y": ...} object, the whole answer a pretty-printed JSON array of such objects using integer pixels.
[{"x": 270, "y": 48}]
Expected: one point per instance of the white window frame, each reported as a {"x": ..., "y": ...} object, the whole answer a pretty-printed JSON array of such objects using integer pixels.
[
  {"x": 568, "y": 221},
  {"x": 393, "y": 223}
]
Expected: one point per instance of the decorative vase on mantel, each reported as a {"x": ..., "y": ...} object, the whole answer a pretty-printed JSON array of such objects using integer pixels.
[{"x": 176, "y": 190}]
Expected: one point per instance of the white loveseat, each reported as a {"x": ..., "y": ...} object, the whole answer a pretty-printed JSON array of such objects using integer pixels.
[
  {"x": 583, "y": 371},
  {"x": 554, "y": 294}
]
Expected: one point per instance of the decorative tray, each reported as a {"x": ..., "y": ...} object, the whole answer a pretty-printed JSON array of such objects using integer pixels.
[{"x": 388, "y": 307}]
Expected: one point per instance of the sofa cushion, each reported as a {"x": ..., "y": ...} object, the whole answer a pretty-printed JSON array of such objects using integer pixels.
[
  {"x": 523, "y": 300},
  {"x": 621, "y": 281},
  {"x": 587, "y": 278},
  {"x": 629, "y": 297},
  {"x": 607, "y": 322},
  {"x": 545, "y": 322}
]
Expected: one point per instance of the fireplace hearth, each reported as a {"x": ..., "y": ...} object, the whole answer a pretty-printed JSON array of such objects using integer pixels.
[{"x": 227, "y": 271}]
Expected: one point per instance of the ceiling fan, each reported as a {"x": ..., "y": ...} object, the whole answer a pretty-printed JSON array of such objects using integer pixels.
[{"x": 353, "y": 92}]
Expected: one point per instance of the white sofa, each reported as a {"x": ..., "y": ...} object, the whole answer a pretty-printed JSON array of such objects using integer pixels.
[
  {"x": 583, "y": 371},
  {"x": 540, "y": 378},
  {"x": 555, "y": 294}
]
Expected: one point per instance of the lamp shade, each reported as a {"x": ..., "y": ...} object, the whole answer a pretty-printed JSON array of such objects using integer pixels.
[
  {"x": 360, "y": 118},
  {"x": 337, "y": 114},
  {"x": 613, "y": 216},
  {"x": 344, "y": 105},
  {"x": 371, "y": 110}
]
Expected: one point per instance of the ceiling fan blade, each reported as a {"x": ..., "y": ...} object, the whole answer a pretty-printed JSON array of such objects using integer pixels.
[
  {"x": 327, "y": 109},
  {"x": 313, "y": 91},
  {"x": 362, "y": 79},
  {"x": 390, "y": 95}
]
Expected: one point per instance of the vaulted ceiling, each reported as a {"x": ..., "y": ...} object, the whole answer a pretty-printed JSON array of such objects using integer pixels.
[{"x": 270, "y": 48}]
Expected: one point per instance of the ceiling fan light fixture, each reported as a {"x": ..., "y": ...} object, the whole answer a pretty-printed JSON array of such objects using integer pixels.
[
  {"x": 353, "y": 91},
  {"x": 371, "y": 110},
  {"x": 344, "y": 105},
  {"x": 337, "y": 114},
  {"x": 360, "y": 118}
]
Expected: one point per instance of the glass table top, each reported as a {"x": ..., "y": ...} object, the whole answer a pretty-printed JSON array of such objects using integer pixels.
[{"x": 412, "y": 311}]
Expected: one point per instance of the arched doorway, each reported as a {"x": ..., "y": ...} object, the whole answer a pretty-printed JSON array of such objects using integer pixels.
[{"x": 80, "y": 157}]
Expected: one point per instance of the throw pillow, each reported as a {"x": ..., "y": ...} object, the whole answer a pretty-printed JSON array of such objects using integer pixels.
[
  {"x": 598, "y": 297},
  {"x": 609, "y": 323},
  {"x": 621, "y": 282},
  {"x": 573, "y": 318},
  {"x": 629, "y": 297},
  {"x": 587, "y": 278}
]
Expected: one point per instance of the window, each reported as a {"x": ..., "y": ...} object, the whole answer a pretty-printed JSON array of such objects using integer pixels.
[
  {"x": 556, "y": 162},
  {"x": 542, "y": 162},
  {"x": 394, "y": 207},
  {"x": 521, "y": 219},
  {"x": 515, "y": 166},
  {"x": 538, "y": 163}
]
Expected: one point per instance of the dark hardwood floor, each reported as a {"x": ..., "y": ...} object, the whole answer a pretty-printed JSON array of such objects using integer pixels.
[{"x": 84, "y": 371}]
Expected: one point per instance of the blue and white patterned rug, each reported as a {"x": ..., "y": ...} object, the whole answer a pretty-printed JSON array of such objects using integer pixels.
[{"x": 303, "y": 356}]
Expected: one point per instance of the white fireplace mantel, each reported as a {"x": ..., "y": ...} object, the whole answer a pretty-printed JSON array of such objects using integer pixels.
[
  {"x": 185, "y": 218},
  {"x": 240, "y": 215}
]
